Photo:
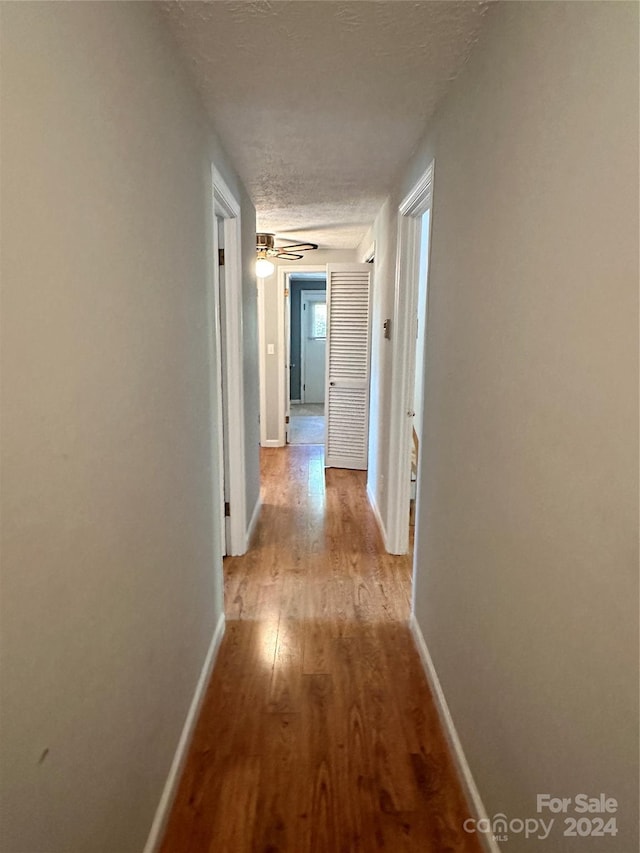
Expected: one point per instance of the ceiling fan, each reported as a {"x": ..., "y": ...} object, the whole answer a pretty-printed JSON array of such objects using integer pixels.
[{"x": 266, "y": 248}]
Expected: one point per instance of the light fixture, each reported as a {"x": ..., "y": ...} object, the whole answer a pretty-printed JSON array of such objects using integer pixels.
[
  {"x": 265, "y": 244},
  {"x": 266, "y": 248},
  {"x": 264, "y": 268}
]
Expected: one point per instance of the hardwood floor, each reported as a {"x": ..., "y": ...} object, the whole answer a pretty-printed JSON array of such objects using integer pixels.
[
  {"x": 318, "y": 731},
  {"x": 306, "y": 429}
]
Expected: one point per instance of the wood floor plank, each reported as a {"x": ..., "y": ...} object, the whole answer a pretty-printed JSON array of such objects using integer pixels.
[
  {"x": 318, "y": 731},
  {"x": 318, "y": 793},
  {"x": 318, "y": 646},
  {"x": 276, "y": 821},
  {"x": 235, "y": 809},
  {"x": 286, "y": 678}
]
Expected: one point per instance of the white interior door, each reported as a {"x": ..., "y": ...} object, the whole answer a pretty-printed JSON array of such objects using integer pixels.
[
  {"x": 313, "y": 340},
  {"x": 347, "y": 371}
]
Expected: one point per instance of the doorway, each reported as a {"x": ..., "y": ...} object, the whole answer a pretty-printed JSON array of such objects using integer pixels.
[
  {"x": 348, "y": 322},
  {"x": 221, "y": 387},
  {"x": 411, "y": 311},
  {"x": 306, "y": 310},
  {"x": 419, "y": 360},
  {"x": 313, "y": 340},
  {"x": 227, "y": 382}
]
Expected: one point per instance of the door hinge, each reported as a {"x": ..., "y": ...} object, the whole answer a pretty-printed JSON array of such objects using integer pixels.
[
  {"x": 304, "y": 387},
  {"x": 286, "y": 419},
  {"x": 227, "y": 509},
  {"x": 286, "y": 293},
  {"x": 221, "y": 257}
]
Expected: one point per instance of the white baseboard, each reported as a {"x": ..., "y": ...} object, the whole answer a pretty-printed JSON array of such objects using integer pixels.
[
  {"x": 170, "y": 786},
  {"x": 254, "y": 520},
  {"x": 471, "y": 790},
  {"x": 272, "y": 442},
  {"x": 376, "y": 512}
]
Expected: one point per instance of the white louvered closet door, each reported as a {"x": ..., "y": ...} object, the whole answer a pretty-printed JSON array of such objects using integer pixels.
[{"x": 347, "y": 373}]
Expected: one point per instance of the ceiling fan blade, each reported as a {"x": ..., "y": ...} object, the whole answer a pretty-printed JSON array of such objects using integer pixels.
[
  {"x": 300, "y": 247},
  {"x": 289, "y": 256}
]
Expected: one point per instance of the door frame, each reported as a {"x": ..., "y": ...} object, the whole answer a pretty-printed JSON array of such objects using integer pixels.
[
  {"x": 316, "y": 294},
  {"x": 217, "y": 396},
  {"x": 227, "y": 207},
  {"x": 284, "y": 273},
  {"x": 410, "y": 212}
]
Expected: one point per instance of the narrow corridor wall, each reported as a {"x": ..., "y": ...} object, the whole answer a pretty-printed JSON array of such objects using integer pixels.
[
  {"x": 527, "y": 539},
  {"x": 111, "y": 568},
  {"x": 527, "y": 586}
]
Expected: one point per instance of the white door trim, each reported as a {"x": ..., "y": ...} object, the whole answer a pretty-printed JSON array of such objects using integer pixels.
[
  {"x": 227, "y": 207},
  {"x": 261, "y": 363},
  {"x": 217, "y": 396},
  {"x": 410, "y": 212},
  {"x": 283, "y": 275},
  {"x": 369, "y": 256}
]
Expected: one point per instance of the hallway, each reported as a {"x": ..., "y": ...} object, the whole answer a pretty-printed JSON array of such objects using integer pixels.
[
  {"x": 318, "y": 731},
  {"x": 306, "y": 423}
]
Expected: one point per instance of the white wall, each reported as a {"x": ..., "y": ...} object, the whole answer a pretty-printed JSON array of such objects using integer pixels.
[
  {"x": 110, "y": 570},
  {"x": 383, "y": 234},
  {"x": 271, "y": 333},
  {"x": 527, "y": 540}
]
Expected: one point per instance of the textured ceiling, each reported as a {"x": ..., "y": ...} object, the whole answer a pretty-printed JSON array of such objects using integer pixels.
[{"x": 320, "y": 104}]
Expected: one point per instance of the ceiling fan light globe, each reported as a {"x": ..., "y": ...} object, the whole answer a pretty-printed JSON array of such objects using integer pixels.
[{"x": 264, "y": 268}]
